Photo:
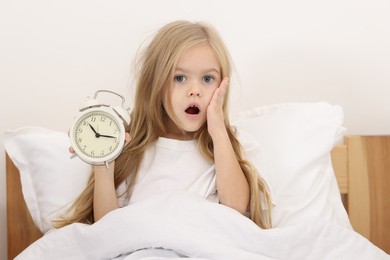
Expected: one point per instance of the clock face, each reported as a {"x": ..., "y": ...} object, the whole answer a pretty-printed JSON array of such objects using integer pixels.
[{"x": 97, "y": 137}]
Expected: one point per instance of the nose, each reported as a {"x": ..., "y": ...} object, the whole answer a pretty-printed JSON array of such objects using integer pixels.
[{"x": 194, "y": 90}]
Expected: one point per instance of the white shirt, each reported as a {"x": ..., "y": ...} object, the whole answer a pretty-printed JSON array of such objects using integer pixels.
[{"x": 172, "y": 165}]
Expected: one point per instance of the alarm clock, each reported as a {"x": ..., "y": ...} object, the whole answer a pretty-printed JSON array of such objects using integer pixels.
[{"x": 97, "y": 134}]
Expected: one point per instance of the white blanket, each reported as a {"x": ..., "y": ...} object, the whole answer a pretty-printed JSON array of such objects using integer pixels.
[{"x": 183, "y": 224}]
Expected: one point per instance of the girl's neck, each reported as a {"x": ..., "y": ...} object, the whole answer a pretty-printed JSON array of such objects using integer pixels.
[
  {"x": 183, "y": 136},
  {"x": 174, "y": 132}
]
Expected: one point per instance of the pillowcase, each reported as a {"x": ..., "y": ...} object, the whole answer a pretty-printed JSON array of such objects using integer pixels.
[
  {"x": 50, "y": 179},
  {"x": 294, "y": 157}
]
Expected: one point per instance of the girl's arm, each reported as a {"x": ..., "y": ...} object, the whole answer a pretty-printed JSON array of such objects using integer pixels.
[
  {"x": 104, "y": 195},
  {"x": 232, "y": 185}
]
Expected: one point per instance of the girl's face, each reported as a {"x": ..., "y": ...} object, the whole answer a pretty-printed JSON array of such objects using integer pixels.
[{"x": 196, "y": 77}]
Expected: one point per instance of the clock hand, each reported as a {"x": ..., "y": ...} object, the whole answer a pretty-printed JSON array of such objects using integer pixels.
[
  {"x": 97, "y": 135},
  {"x": 93, "y": 129},
  {"x": 109, "y": 136}
]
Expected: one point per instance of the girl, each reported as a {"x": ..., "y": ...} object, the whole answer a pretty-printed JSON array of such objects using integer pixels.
[{"x": 179, "y": 137}]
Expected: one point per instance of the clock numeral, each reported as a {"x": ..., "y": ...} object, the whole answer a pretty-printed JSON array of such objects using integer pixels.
[
  {"x": 85, "y": 123},
  {"x": 110, "y": 122},
  {"x": 93, "y": 152},
  {"x": 103, "y": 119},
  {"x": 93, "y": 119},
  {"x": 80, "y": 140},
  {"x": 84, "y": 147},
  {"x": 80, "y": 130},
  {"x": 102, "y": 152}
]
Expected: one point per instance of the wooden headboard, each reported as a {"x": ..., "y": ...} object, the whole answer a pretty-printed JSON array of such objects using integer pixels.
[{"x": 362, "y": 167}]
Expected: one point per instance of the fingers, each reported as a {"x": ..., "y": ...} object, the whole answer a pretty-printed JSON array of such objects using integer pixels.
[
  {"x": 127, "y": 138},
  {"x": 223, "y": 87},
  {"x": 224, "y": 83},
  {"x": 219, "y": 94},
  {"x": 73, "y": 153}
]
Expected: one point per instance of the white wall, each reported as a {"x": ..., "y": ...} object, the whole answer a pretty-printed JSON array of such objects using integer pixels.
[{"x": 55, "y": 53}]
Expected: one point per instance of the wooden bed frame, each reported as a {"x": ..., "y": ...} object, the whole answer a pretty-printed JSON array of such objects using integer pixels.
[{"x": 362, "y": 167}]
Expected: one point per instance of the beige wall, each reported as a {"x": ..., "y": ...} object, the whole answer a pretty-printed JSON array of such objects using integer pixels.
[{"x": 55, "y": 53}]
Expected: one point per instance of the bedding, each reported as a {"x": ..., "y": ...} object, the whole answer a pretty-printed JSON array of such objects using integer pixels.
[
  {"x": 289, "y": 144},
  {"x": 184, "y": 225},
  {"x": 291, "y": 150}
]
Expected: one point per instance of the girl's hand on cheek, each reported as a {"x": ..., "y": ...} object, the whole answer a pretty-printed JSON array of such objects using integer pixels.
[{"x": 215, "y": 117}]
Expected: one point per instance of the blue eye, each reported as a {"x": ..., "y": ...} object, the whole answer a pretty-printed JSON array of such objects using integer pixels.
[
  {"x": 208, "y": 79},
  {"x": 180, "y": 78}
]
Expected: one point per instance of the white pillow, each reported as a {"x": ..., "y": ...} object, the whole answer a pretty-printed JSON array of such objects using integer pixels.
[
  {"x": 295, "y": 140},
  {"x": 50, "y": 179}
]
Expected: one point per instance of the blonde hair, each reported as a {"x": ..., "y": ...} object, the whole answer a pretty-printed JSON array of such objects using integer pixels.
[{"x": 148, "y": 117}]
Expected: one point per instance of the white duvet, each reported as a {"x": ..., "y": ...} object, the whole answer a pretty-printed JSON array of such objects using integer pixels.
[{"x": 184, "y": 225}]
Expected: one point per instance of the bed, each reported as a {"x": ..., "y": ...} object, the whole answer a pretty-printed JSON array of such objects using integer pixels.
[{"x": 362, "y": 169}]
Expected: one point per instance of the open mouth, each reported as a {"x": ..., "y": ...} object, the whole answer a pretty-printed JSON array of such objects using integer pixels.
[{"x": 192, "y": 110}]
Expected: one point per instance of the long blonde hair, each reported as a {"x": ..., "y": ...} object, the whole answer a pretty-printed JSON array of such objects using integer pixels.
[{"x": 148, "y": 117}]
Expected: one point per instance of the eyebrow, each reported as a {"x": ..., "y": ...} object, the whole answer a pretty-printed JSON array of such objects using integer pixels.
[{"x": 203, "y": 71}]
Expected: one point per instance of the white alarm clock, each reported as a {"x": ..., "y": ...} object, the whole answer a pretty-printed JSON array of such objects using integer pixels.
[{"x": 97, "y": 134}]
